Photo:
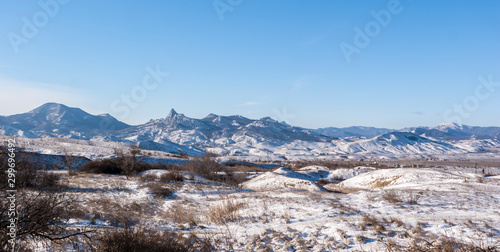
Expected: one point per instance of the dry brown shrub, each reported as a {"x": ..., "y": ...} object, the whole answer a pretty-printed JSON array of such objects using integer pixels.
[
  {"x": 160, "y": 191},
  {"x": 224, "y": 211},
  {"x": 172, "y": 176},
  {"x": 134, "y": 240}
]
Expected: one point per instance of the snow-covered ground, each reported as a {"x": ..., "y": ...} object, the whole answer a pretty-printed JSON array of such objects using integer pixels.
[
  {"x": 309, "y": 208},
  {"x": 81, "y": 148},
  {"x": 371, "y": 210},
  {"x": 390, "y": 146}
]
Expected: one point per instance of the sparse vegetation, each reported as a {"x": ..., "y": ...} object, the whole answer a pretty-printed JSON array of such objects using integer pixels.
[
  {"x": 119, "y": 166},
  {"x": 122, "y": 210},
  {"x": 396, "y": 197},
  {"x": 205, "y": 165},
  {"x": 136, "y": 240},
  {"x": 172, "y": 176},
  {"x": 41, "y": 218},
  {"x": 104, "y": 166},
  {"x": 29, "y": 175},
  {"x": 148, "y": 177},
  {"x": 224, "y": 211},
  {"x": 370, "y": 221},
  {"x": 322, "y": 182},
  {"x": 159, "y": 190}
]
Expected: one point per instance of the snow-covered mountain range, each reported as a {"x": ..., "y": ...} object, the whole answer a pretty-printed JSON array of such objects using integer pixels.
[
  {"x": 237, "y": 135},
  {"x": 454, "y": 131},
  {"x": 354, "y": 131},
  {"x": 58, "y": 120}
]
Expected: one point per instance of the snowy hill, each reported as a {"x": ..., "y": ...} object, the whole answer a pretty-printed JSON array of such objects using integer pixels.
[
  {"x": 455, "y": 131},
  {"x": 57, "y": 120},
  {"x": 410, "y": 178},
  {"x": 353, "y": 131},
  {"x": 399, "y": 142},
  {"x": 281, "y": 180},
  {"x": 168, "y": 147}
]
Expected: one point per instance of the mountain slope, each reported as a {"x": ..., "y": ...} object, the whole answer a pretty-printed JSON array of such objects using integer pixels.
[
  {"x": 58, "y": 120},
  {"x": 237, "y": 135},
  {"x": 399, "y": 143},
  {"x": 353, "y": 131},
  {"x": 454, "y": 131},
  {"x": 216, "y": 130}
]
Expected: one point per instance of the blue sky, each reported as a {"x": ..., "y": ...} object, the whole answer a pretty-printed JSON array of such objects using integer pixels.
[{"x": 281, "y": 59}]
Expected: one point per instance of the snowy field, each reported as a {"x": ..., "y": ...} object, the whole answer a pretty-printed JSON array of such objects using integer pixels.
[
  {"x": 304, "y": 208},
  {"x": 360, "y": 209}
]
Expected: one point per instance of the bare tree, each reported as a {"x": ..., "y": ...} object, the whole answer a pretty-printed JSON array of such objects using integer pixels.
[
  {"x": 130, "y": 163},
  {"x": 205, "y": 165},
  {"x": 41, "y": 217},
  {"x": 70, "y": 162}
]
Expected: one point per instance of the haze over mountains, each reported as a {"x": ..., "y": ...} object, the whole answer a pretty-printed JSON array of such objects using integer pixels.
[{"x": 237, "y": 135}]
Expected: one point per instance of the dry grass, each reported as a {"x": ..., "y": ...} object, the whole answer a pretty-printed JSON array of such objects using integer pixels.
[
  {"x": 224, "y": 211},
  {"x": 371, "y": 197},
  {"x": 149, "y": 177},
  {"x": 397, "y": 222},
  {"x": 343, "y": 209},
  {"x": 160, "y": 191},
  {"x": 118, "y": 215},
  {"x": 420, "y": 244},
  {"x": 370, "y": 221},
  {"x": 172, "y": 176},
  {"x": 417, "y": 232},
  {"x": 182, "y": 214},
  {"x": 396, "y": 197},
  {"x": 150, "y": 240},
  {"x": 384, "y": 182}
]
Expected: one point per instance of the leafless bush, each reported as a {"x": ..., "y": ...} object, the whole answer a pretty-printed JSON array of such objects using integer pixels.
[
  {"x": 148, "y": 177},
  {"x": 396, "y": 197},
  {"x": 127, "y": 166},
  {"x": 232, "y": 178},
  {"x": 369, "y": 221},
  {"x": 172, "y": 176},
  {"x": 392, "y": 196},
  {"x": 158, "y": 190},
  {"x": 396, "y": 221},
  {"x": 224, "y": 211},
  {"x": 207, "y": 166},
  {"x": 29, "y": 174},
  {"x": 41, "y": 218},
  {"x": 129, "y": 240},
  {"x": 70, "y": 162},
  {"x": 104, "y": 166},
  {"x": 204, "y": 165},
  {"x": 322, "y": 182}
]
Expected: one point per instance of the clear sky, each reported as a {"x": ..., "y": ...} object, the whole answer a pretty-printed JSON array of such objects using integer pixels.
[{"x": 314, "y": 64}]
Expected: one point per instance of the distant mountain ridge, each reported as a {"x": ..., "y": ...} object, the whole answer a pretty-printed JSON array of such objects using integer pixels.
[
  {"x": 58, "y": 120},
  {"x": 238, "y": 135},
  {"x": 400, "y": 142},
  {"x": 454, "y": 131},
  {"x": 215, "y": 130},
  {"x": 353, "y": 131}
]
